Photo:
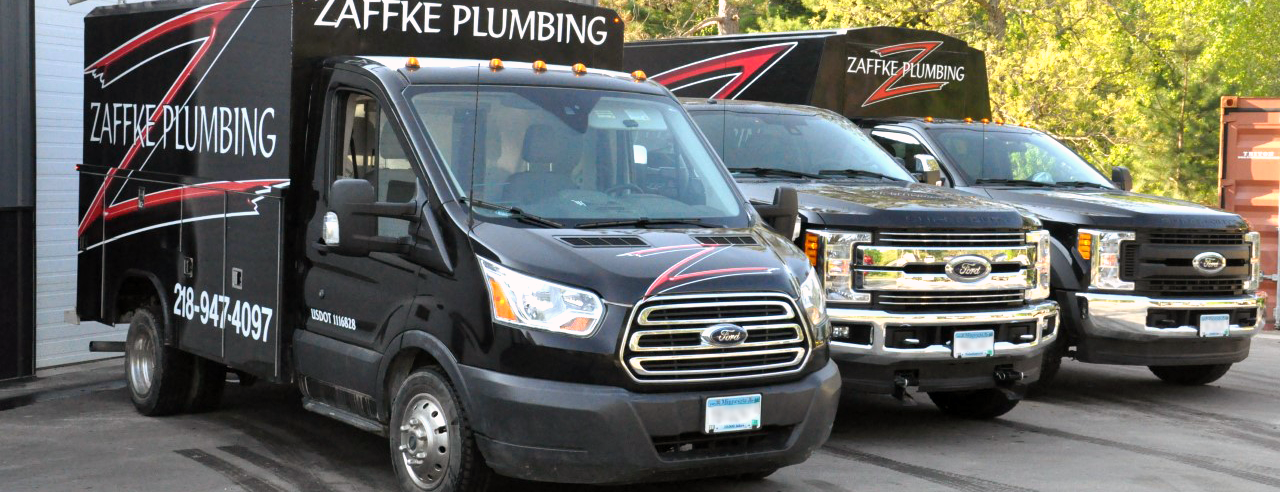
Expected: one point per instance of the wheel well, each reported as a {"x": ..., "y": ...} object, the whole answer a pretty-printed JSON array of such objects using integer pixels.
[
  {"x": 135, "y": 291},
  {"x": 401, "y": 366}
]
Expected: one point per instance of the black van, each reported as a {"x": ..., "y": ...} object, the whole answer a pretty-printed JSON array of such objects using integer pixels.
[{"x": 528, "y": 269}]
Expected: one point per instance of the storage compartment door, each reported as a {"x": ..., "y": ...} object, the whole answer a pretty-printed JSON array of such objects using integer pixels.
[{"x": 252, "y": 333}]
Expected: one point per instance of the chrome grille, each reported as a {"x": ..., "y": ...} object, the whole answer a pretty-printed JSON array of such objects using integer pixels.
[
  {"x": 664, "y": 342},
  {"x": 965, "y": 299},
  {"x": 961, "y": 239}
]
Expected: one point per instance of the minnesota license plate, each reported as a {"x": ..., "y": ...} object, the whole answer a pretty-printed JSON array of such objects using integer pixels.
[
  {"x": 969, "y": 344},
  {"x": 1215, "y": 325},
  {"x": 732, "y": 414}
]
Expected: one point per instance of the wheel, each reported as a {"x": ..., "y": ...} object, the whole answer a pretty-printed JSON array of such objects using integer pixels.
[
  {"x": 208, "y": 379},
  {"x": 756, "y": 476},
  {"x": 1191, "y": 375},
  {"x": 432, "y": 446},
  {"x": 159, "y": 377},
  {"x": 981, "y": 404},
  {"x": 1050, "y": 366}
]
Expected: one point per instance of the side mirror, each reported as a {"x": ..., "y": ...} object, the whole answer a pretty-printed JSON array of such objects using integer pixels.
[
  {"x": 351, "y": 226},
  {"x": 1122, "y": 178},
  {"x": 927, "y": 169},
  {"x": 783, "y": 215}
]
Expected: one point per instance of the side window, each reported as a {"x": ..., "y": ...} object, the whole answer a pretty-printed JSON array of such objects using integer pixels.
[
  {"x": 901, "y": 146},
  {"x": 371, "y": 150}
]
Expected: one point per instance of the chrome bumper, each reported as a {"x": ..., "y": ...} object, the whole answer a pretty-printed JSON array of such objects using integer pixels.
[
  {"x": 1125, "y": 317},
  {"x": 880, "y": 320}
]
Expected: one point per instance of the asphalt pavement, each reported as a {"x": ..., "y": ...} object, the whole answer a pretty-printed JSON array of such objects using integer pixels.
[{"x": 1098, "y": 428}]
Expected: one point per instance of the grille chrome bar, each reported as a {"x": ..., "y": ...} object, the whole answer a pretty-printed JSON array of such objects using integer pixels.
[
  {"x": 647, "y": 313},
  {"x": 953, "y": 238},
  {"x": 638, "y": 338},
  {"x": 637, "y": 363}
]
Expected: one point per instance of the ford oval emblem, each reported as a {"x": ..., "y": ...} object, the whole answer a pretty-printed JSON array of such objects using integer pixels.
[
  {"x": 968, "y": 269},
  {"x": 1209, "y": 263},
  {"x": 724, "y": 335}
]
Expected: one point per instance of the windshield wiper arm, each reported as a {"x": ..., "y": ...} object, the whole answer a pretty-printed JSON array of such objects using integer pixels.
[
  {"x": 773, "y": 171},
  {"x": 644, "y": 222},
  {"x": 857, "y": 173},
  {"x": 516, "y": 213},
  {"x": 1080, "y": 184},
  {"x": 1014, "y": 182}
]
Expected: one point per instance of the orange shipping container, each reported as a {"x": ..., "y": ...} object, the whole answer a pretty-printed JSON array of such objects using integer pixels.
[{"x": 1249, "y": 174}]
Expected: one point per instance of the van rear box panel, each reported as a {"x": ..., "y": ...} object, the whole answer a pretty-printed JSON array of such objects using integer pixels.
[
  {"x": 861, "y": 73},
  {"x": 196, "y": 143}
]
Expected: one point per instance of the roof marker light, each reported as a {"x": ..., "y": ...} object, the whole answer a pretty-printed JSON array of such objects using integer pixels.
[
  {"x": 412, "y": 63},
  {"x": 579, "y": 68},
  {"x": 999, "y": 121},
  {"x": 928, "y": 119},
  {"x": 495, "y": 64},
  {"x": 985, "y": 121},
  {"x": 968, "y": 120},
  {"x": 639, "y": 75},
  {"x": 539, "y": 66}
]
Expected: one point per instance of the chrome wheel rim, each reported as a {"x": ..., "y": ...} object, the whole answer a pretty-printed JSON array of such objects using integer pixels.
[
  {"x": 424, "y": 441},
  {"x": 142, "y": 362}
]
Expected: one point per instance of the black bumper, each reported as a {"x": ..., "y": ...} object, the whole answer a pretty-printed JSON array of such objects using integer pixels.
[
  {"x": 1175, "y": 352},
  {"x": 548, "y": 431},
  {"x": 877, "y": 374}
]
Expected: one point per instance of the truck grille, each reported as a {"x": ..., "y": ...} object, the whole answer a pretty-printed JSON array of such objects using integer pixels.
[
  {"x": 962, "y": 239},
  {"x": 960, "y": 300},
  {"x": 664, "y": 342},
  {"x": 1159, "y": 263}
]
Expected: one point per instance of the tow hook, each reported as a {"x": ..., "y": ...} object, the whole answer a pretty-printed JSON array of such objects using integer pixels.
[
  {"x": 1006, "y": 375},
  {"x": 900, "y": 384}
]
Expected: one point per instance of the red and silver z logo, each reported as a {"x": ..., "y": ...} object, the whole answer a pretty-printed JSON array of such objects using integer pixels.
[
  {"x": 916, "y": 68},
  {"x": 740, "y": 69}
]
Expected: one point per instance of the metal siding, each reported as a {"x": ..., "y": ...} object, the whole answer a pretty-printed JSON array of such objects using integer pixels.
[
  {"x": 1249, "y": 172},
  {"x": 59, "y": 114}
]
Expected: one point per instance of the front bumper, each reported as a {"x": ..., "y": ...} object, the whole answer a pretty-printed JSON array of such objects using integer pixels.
[
  {"x": 541, "y": 430},
  {"x": 874, "y": 368},
  {"x": 1114, "y": 330}
]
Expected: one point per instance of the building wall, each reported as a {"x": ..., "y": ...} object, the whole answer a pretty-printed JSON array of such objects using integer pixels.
[
  {"x": 59, "y": 72},
  {"x": 17, "y": 193}
]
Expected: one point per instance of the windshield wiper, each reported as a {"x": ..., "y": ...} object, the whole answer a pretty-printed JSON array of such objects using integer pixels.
[
  {"x": 856, "y": 173},
  {"x": 1080, "y": 184},
  {"x": 516, "y": 213},
  {"x": 644, "y": 223},
  {"x": 773, "y": 171},
  {"x": 1014, "y": 182}
]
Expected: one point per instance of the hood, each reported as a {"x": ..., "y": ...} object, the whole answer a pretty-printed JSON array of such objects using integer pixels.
[
  {"x": 1116, "y": 209},
  {"x": 660, "y": 262},
  {"x": 891, "y": 205}
]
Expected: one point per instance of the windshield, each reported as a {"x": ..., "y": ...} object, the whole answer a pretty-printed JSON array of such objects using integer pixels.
[
  {"x": 814, "y": 144},
  {"x": 992, "y": 156},
  {"x": 574, "y": 156}
]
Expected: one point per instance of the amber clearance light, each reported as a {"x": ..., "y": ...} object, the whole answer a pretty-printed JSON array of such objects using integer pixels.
[
  {"x": 812, "y": 243},
  {"x": 1084, "y": 244},
  {"x": 579, "y": 68},
  {"x": 495, "y": 64},
  {"x": 539, "y": 66},
  {"x": 412, "y": 63}
]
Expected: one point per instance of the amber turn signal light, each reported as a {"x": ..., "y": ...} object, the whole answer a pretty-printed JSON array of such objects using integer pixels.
[
  {"x": 811, "y": 245},
  {"x": 1084, "y": 244}
]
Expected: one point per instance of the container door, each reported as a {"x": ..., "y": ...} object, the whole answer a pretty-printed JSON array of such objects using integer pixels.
[{"x": 1250, "y": 173}]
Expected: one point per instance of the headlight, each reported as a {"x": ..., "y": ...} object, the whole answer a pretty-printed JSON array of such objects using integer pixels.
[
  {"x": 520, "y": 300},
  {"x": 831, "y": 253},
  {"x": 1038, "y": 277},
  {"x": 1255, "y": 261},
  {"x": 814, "y": 303},
  {"x": 1104, "y": 257}
]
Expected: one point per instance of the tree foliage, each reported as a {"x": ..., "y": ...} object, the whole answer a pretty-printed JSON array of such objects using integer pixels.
[{"x": 1131, "y": 83}]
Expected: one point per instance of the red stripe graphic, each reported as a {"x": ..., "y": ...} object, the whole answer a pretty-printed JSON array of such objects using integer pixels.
[
  {"x": 187, "y": 193},
  {"x": 674, "y": 273},
  {"x": 215, "y": 13},
  {"x": 887, "y": 90},
  {"x": 750, "y": 63}
]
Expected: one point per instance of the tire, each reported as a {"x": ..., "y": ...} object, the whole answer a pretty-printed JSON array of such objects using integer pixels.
[
  {"x": 1050, "y": 366},
  {"x": 1191, "y": 375},
  {"x": 984, "y": 404},
  {"x": 755, "y": 476},
  {"x": 159, "y": 377},
  {"x": 208, "y": 379},
  {"x": 447, "y": 458}
]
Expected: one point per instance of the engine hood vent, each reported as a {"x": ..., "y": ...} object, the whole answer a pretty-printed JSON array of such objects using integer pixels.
[
  {"x": 603, "y": 241},
  {"x": 727, "y": 240}
]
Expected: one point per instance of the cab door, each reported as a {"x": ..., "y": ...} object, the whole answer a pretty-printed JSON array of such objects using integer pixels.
[{"x": 349, "y": 299}]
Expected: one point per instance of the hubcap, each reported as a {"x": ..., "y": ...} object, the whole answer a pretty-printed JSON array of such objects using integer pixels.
[
  {"x": 142, "y": 362},
  {"x": 424, "y": 441}
]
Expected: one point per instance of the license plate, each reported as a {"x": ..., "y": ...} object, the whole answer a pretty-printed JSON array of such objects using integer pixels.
[
  {"x": 732, "y": 414},
  {"x": 1215, "y": 325},
  {"x": 969, "y": 344}
]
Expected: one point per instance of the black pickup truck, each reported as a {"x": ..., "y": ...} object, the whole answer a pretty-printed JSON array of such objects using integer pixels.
[{"x": 1142, "y": 280}]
